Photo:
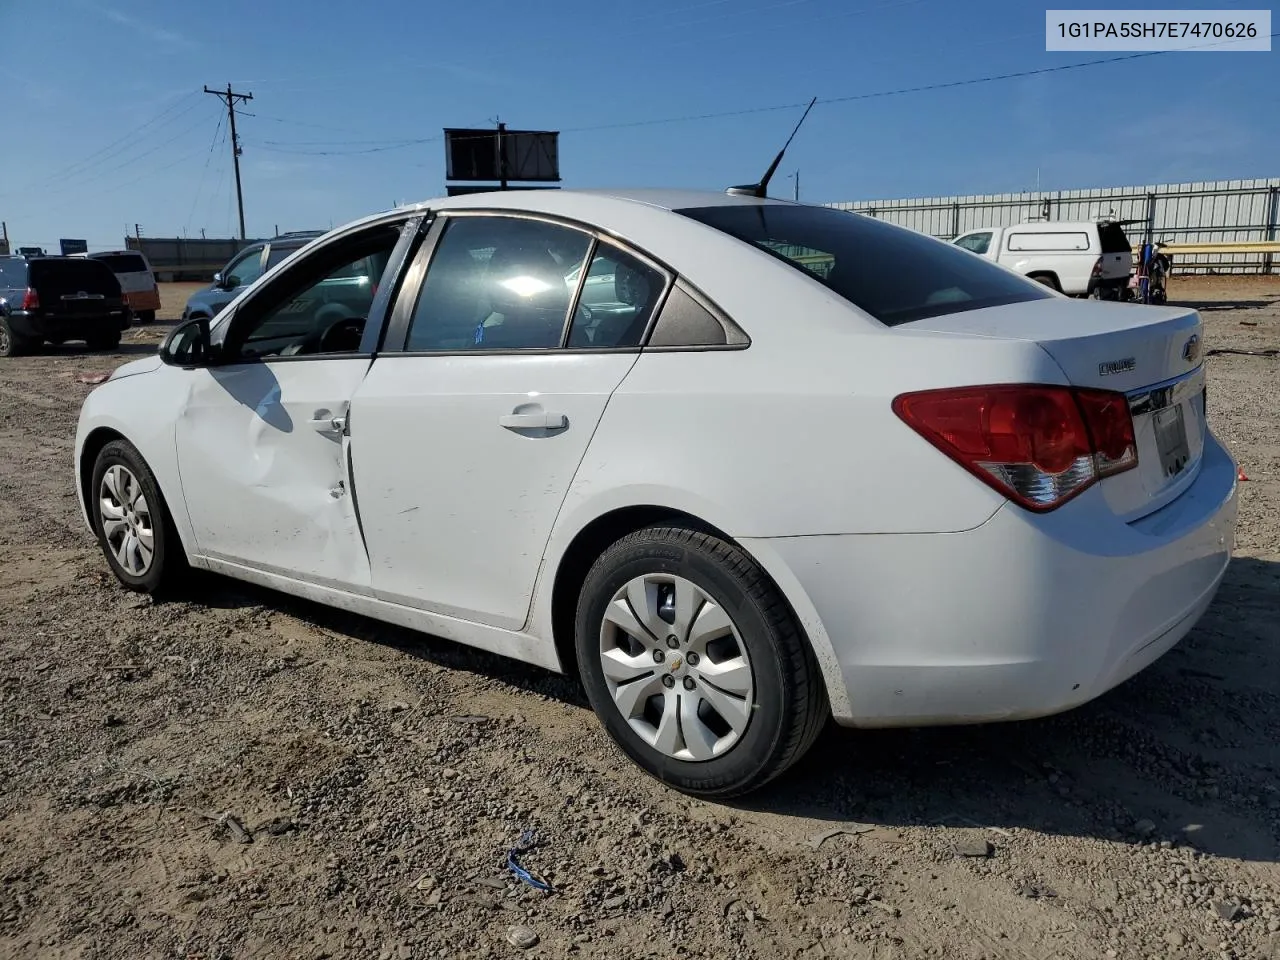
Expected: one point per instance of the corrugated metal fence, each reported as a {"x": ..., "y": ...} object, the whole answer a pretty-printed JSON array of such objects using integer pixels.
[
  {"x": 179, "y": 258},
  {"x": 1214, "y": 212}
]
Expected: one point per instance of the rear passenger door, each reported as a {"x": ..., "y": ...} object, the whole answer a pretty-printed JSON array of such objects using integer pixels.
[{"x": 470, "y": 426}]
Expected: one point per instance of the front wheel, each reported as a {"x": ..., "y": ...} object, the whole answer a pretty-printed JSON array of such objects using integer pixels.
[
  {"x": 132, "y": 521},
  {"x": 694, "y": 664}
]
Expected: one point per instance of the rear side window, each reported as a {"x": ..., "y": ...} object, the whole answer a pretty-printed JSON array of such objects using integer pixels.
[
  {"x": 123, "y": 262},
  {"x": 617, "y": 299},
  {"x": 9, "y": 274},
  {"x": 1056, "y": 241},
  {"x": 894, "y": 274},
  {"x": 1113, "y": 238},
  {"x": 70, "y": 276}
]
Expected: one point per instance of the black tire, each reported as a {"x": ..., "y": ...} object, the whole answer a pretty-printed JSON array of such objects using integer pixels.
[
  {"x": 168, "y": 562},
  {"x": 11, "y": 344},
  {"x": 1046, "y": 280},
  {"x": 789, "y": 703},
  {"x": 105, "y": 341},
  {"x": 147, "y": 316}
]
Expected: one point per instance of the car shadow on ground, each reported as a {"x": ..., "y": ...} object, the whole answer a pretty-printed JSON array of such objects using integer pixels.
[
  {"x": 81, "y": 350},
  {"x": 1188, "y": 751},
  {"x": 1214, "y": 306}
]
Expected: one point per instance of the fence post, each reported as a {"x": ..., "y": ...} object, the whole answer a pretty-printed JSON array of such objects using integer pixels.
[
  {"x": 955, "y": 219},
  {"x": 1151, "y": 218},
  {"x": 1273, "y": 203}
]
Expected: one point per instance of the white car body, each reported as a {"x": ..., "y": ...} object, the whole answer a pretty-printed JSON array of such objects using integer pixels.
[
  {"x": 926, "y": 595},
  {"x": 1071, "y": 254}
]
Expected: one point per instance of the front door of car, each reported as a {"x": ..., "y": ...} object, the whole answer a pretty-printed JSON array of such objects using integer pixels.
[
  {"x": 465, "y": 442},
  {"x": 263, "y": 444}
]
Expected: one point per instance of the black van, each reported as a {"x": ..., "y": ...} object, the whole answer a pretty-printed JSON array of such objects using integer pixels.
[{"x": 55, "y": 299}]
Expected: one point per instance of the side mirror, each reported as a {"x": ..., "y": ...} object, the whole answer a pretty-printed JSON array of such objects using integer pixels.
[
  {"x": 188, "y": 345},
  {"x": 218, "y": 280}
]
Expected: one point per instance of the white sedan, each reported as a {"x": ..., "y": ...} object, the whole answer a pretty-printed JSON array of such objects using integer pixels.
[{"x": 795, "y": 464}]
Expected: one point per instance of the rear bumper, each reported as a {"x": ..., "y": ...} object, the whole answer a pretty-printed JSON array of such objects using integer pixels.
[
  {"x": 144, "y": 300},
  {"x": 1024, "y": 616},
  {"x": 43, "y": 327}
]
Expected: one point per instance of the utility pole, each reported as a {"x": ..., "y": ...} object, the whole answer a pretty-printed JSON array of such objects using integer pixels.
[
  {"x": 502, "y": 153},
  {"x": 229, "y": 97}
]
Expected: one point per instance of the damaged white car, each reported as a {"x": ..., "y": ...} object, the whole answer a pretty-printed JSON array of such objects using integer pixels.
[{"x": 744, "y": 465}]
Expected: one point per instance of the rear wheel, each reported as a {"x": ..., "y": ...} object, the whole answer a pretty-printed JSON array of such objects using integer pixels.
[
  {"x": 104, "y": 341},
  {"x": 147, "y": 316},
  {"x": 132, "y": 522},
  {"x": 693, "y": 661},
  {"x": 1046, "y": 280},
  {"x": 11, "y": 344}
]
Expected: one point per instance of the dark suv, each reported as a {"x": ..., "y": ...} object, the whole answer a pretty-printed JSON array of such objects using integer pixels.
[
  {"x": 246, "y": 267},
  {"x": 55, "y": 299}
]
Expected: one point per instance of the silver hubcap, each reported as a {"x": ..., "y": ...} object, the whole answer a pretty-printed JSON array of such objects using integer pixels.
[
  {"x": 676, "y": 667},
  {"x": 126, "y": 520}
]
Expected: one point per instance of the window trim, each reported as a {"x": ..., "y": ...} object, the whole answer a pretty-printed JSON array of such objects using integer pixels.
[
  {"x": 410, "y": 290},
  {"x": 396, "y": 266}
]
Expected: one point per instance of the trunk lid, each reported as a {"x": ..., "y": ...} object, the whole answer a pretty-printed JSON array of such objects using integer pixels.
[{"x": 1151, "y": 354}]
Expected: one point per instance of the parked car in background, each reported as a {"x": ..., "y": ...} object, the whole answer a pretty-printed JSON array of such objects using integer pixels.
[
  {"x": 243, "y": 270},
  {"x": 812, "y": 464},
  {"x": 56, "y": 299},
  {"x": 1087, "y": 258},
  {"x": 136, "y": 280}
]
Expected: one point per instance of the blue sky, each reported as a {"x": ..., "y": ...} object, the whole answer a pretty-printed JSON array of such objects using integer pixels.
[{"x": 105, "y": 126}]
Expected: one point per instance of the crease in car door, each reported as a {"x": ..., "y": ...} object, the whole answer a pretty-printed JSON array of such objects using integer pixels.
[{"x": 263, "y": 449}]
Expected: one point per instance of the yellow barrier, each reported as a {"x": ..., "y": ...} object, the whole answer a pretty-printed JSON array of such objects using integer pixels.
[{"x": 1243, "y": 246}]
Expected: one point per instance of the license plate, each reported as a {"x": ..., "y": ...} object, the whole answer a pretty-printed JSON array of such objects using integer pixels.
[{"x": 1171, "y": 440}]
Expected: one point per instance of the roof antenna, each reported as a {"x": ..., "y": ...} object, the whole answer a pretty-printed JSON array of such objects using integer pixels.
[{"x": 761, "y": 189}]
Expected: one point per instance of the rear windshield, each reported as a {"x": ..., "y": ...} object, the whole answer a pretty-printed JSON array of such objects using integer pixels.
[
  {"x": 88, "y": 276},
  {"x": 892, "y": 273},
  {"x": 1113, "y": 238},
  {"x": 123, "y": 262}
]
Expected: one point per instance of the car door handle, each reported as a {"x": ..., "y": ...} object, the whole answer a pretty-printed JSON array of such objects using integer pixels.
[
  {"x": 533, "y": 421},
  {"x": 336, "y": 424}
]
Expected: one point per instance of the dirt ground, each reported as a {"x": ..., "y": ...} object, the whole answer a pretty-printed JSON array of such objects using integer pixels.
[{"x": 240, "y": 774}]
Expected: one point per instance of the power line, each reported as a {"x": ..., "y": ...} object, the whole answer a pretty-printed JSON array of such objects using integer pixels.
[
  {"x": 111, "y": 150},
  {"x": 130, "y": 161},
  {"x": 288, "y": 147},
  {"x": 204, "y": 171}
]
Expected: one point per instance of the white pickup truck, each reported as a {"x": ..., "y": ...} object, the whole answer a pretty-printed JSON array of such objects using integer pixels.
[{"x": 1086, "y": 258}]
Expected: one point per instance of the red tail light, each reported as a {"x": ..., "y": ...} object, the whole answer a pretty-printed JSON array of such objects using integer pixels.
[
  {"x": 124, "y": 298},
  {"x": 1097, "y": 267},
  {"x": 1037, "y": 445},
  {"x": 30, "y": 300}
]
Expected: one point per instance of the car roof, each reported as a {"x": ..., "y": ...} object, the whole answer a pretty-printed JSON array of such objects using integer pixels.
[{"x": 1059, "y": 224}]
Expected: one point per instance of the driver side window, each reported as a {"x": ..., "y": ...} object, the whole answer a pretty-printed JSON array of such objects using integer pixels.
[
  {"x": 245, "y": 270},
  {"x": 975, "y": 242},
  {"x": 318, "y": 306}
]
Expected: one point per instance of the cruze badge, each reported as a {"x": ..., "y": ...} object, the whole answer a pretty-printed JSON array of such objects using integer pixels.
[
  {"x": 1191, "y": 349},
  {"x": 1116, "y": 366}
]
